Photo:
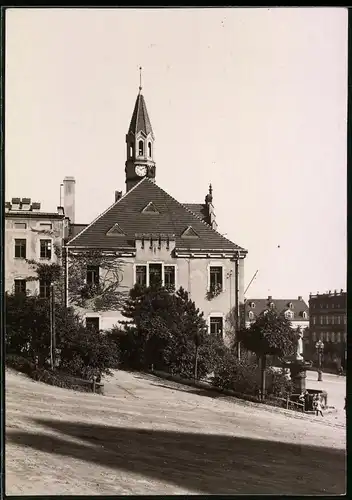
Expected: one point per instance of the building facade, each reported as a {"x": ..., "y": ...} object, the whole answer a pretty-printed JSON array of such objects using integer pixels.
[
  {"x": 157, "y": 239},
  {"x": 30, "y": 234},
  {"x": 328, "y": 322},
  {"x": 296, "y": 310}
]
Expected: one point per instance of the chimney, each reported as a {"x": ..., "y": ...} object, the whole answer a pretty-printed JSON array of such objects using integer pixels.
[
  {"x": 299, "y": 297},
  {"x": 118, "y": 195},
  {"x": 60, "y": 210},
  {"x": 26, "y": 204},
  {"x": 7, "y": 206},
  {"x": 16, "y": 203},
  {"x": 69, "y": 198},
  {"x": 329, "y": 292},
  {"x": 35, "y": 207},
  {"x": 270, "y": 297},
  {"x": 341, "y": 291}
]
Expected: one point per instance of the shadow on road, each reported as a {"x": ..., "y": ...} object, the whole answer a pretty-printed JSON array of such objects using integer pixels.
[{"x": 203, "y": 463}]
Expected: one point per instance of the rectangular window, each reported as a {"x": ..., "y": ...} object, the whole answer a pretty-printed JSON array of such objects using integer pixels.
[
  {"x": 93, "y": 275},
  {"x": 20, "y": 286},
  {"x": 327, "y": 336},
  {"x": 155, "y": 274},
  {"x": 20, "y": 249},
  {"x": 344, "y": 320},
  {"x": 216, "y": 326},
  {"x": 313, "y": 320},
  {"x": 314, "y": 336},
  {"x": 46, "y": 226},
  {"x": 338, "y": 335},
  {"x": 141, "y": 275},
  {"x": 20, "y": 225},
  {"x": 44, "y": 289},
  {"x": 339, "y": 320},
  {"x": 216, "y": 279},
  {"x": 345, "y": 337},
  {"x": 169, "y": 277},
  {"x": 332, "y": 336},
  {"x": 93, "y": 323},
  {"x": 45, "y": 249}
]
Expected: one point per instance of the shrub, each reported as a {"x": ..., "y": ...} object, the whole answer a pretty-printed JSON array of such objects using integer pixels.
[
  {"x": 238, "y": 375},
  {"x": 20, "y": 364},
  {"x": 279, "y": 385}
]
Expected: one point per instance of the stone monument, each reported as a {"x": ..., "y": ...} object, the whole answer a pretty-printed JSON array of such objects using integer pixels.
[{"x": 297, "y": 365}]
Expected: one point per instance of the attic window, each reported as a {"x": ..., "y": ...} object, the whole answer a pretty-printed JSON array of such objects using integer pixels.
[
  {"x": 189, "y": 232},
  {"x": 150, "y": 209},
  {"x": 115, "y": 231}
]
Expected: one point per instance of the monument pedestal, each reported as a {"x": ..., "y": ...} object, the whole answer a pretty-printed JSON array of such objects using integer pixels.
[{"x": 298, "y": 370}]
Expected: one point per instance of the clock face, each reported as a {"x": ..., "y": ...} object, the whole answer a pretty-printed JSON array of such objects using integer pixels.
[{"x": 141, "y": 170}]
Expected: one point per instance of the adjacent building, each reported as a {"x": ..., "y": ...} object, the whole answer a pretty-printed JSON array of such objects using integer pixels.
[
  {"x": 160, "y": 240},
  {"x": 31, "y": 234},
  {"x": 328, "y": 322},
  {"x": 296, "y": 310}
]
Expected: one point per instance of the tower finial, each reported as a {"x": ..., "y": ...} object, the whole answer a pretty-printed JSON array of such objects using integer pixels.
[
  {"x": 140, "y": 79},
  {"x": 210, "y": 189}
]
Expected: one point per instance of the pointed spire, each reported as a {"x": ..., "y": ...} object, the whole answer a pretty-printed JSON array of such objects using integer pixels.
[{"x": 140, "y": 121}]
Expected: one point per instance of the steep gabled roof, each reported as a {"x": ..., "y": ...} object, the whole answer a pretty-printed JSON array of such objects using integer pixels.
[
  {"x": 173, "y": 218},
  {"x": 199, "y": 209},
  {"x": 280, "y": 305},
  {"x": 140, "y": 119}
]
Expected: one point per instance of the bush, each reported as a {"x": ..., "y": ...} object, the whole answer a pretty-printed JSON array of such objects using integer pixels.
[
  {"x": 40, "y": 374},
  {"x": 237, "y": 375},
  {"x": 279, "y": 385},
  {"x": 86, "y": 353},
  {"x": 20, "y": 364}
]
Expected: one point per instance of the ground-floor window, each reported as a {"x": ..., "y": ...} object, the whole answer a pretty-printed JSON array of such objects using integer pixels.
[
  {"x": 216, "y": 326},
  {"x": 93, "y": 323},
  {"x": 20, "y": 286}
]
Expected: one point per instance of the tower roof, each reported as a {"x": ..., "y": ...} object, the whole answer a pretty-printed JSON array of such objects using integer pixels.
[{"x": 140, "y": 120}]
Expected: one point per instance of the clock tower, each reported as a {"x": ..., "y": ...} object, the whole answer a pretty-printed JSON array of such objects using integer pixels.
[{"x": 140, "y": 145}]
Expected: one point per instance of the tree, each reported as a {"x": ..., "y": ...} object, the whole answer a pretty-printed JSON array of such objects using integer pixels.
[
  {"x": 165, "y": 330},
  {"x": 271, "y": 334}
]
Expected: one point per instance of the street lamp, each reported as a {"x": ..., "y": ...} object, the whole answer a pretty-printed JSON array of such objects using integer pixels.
[{"x": 320, "y": 349}]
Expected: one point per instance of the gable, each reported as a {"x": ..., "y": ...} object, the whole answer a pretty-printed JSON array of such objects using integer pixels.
[
  {"x": 115, "y": 230},
  {"x": 150, "y": 208},
  {"x": 189, "y": 232},
  {"x": 173, "y": 218}
]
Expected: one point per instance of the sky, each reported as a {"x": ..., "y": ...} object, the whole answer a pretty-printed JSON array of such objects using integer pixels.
[{"x": 253, "y": 101}]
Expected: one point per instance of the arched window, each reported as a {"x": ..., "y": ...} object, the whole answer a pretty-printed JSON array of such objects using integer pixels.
[
  {"x": 131, "y": 150},
  {"x": 271, "y": 305},
  {"x": 304, "y": 315},
  {"x": 149, "y": 149},
  {"x": 140, "y": 148},
  {"x": 288, "y": 314},
  {"x": 250, "y": 315}
]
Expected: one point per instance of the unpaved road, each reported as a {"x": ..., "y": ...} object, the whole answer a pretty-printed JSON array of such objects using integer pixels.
[{"x": 149, "y": 436}]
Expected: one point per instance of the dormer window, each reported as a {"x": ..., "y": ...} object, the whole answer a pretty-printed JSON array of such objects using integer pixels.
[
  {"x": 252, "y": 305},
  {"x": 289, "y": 314},
  {"x": 271, "y": 305},
  {"x": 304, "y": 315},
  {"x": 290, "y": 305},
  {"x": 149, "y": 149},
  {"x": 250, "y": 315},
  {"x": 140, "y": 148}
]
